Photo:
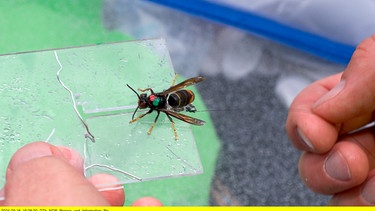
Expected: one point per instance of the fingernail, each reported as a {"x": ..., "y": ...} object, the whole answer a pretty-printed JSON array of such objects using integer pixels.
[
  {"x": 66, "y": 152},
  {"x": 331, "y": 94},
  {"x": 337, "y": 167},
  {"x": 368, "y": 191},
  {"x": 72, "y": 156},
  {"x": 302, "y": 138}
]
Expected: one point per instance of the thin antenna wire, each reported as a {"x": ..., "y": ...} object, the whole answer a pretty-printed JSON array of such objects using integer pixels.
[
  {"x": 84, "y": 157},
  {"x": 50, "y": 135},
  {"x": 112, "y": 188},
  {"x": 88, "y": 134},
  {"x": 113, "y": 169}
]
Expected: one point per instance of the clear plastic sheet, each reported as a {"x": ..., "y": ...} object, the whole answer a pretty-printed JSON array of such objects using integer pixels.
[{"x": 36, "y": 106}]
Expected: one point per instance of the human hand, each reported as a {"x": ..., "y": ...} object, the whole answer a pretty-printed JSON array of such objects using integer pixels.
[
  {"x": 42, "y": 174},
  {"x": 320, "y": 117}
]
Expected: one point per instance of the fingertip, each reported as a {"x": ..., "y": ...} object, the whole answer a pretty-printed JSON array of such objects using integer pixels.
[
  {"x": 110, "y": 188},
  {"x": 41, "y": 149},
  {"x": 31, "y": 151},
  {"x": 356, "y": 158},
  {"x": 147, "y": 201},
  {"x": 50, "y": 181},
  {"x": 308, "y": 130},
  {"x": 312, "y": 133}
]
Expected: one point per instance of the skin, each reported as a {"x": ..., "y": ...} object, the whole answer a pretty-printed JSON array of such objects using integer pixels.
[
  {"x": 335, "y": 162},
  {"x": 41, "y": 174}
]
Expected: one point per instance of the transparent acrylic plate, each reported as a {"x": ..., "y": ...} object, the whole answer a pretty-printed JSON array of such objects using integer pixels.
[{"x": 36, "y": 107}]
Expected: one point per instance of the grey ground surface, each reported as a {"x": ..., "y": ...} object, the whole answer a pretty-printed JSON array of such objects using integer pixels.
[{"x": 257, "y": 164}]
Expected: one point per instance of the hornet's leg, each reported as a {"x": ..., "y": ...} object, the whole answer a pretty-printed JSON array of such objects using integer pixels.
[
  {"x": 173, "y": 127},
  {"x": 153, "y": 125},
  {"x": 174, "y": 79},
  {"x": 139, "y": 117},
  {"x": 145, "y": 90}
]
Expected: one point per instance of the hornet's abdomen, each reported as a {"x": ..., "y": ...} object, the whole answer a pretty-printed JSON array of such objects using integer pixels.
[{"x": 180, "y": 98}]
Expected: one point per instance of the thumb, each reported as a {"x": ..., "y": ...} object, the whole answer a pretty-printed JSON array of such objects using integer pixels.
[{"x": 352, "y": 101}]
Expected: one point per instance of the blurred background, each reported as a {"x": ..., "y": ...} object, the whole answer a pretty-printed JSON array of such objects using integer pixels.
[{"x": 256, "y": 56}]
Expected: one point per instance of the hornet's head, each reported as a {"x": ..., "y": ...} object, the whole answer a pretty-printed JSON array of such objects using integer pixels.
[{"x": 142, "y": 100}]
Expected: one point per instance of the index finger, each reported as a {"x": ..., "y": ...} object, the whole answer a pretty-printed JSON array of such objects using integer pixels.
[{"x": 307, "y": 130}]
